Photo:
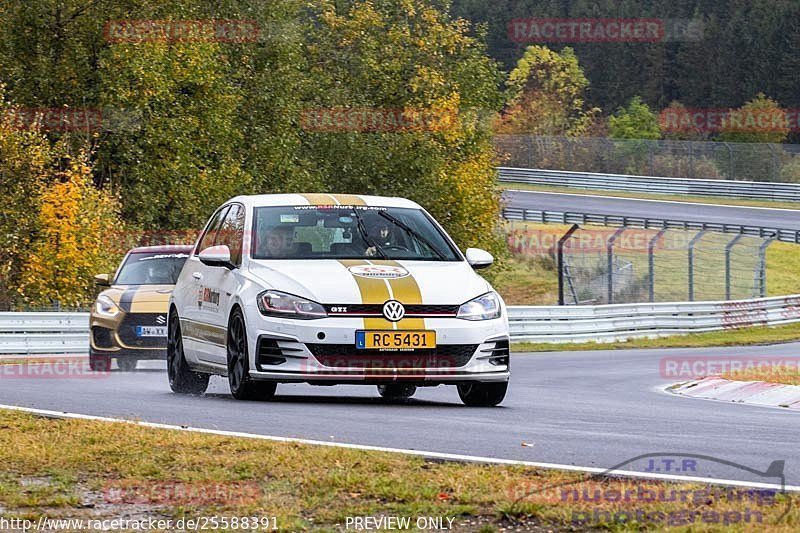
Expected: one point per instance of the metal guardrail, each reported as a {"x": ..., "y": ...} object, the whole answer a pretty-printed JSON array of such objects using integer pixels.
[
  {"x": 564, "y": 217},
  {"x": 68, "y": 333},
  {"x": 44, "y": 333},
  {"x": 616, "y": 322},
  {"x": 650, "y": 184}
]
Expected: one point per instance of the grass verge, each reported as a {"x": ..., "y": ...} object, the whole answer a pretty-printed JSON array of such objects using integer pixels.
[
  {"x": 97, "y": 470},
  {"x": 652, "y": 196},
  {"x": 728, "y": 337}
]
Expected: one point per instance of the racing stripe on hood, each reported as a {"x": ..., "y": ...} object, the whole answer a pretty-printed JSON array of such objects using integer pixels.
[
  {"x": 127, "y": 297},
  {"x": 378, "y": 291}
]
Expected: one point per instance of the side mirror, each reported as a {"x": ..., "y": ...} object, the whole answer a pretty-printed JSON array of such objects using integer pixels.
[
  {"x": 102, "y": 280},
  {"x": 478, "y": 258},
  {"x": 216, "y": 256}
]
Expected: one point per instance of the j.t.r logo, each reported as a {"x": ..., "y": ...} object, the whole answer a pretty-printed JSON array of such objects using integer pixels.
[{"x": 393, "y": 310}]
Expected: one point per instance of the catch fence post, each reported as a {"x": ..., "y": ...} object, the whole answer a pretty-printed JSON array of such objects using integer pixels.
[
  {"x": 560, "y": 258},
  {"x": 691, "y": 263}
]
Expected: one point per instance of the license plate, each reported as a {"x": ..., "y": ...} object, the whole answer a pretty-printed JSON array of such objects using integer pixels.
[
  {"x": 151, "y": 331},
  {"x": 395, "y": 340}
]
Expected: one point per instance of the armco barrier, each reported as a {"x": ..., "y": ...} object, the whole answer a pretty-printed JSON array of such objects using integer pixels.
[
  {"x": 608, "y": 323},
  {"x": 44, "y": 333},
  {"x": 562, "y": 217},
  {"x": 68, "y": 333},
  {"x": 649, "y": 184}
]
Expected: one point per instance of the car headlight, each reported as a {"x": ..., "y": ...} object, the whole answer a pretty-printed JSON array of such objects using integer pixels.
[
  {"x": 105, "y": 306},
  {"x": 484, "y": 307},
  {"x": 285, "y": 305}
]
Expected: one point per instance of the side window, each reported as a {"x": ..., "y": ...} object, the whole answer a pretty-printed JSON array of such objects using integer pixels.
[
  {"x": 210, "y": 234},
  {"x": 231, "y": 233}
]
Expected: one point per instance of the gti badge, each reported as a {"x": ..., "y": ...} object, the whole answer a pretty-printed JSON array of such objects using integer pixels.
[{"x": 393, "y": 310}]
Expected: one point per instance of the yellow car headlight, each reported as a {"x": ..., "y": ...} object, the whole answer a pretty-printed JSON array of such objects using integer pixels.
[{"x": 105, "y": 306}]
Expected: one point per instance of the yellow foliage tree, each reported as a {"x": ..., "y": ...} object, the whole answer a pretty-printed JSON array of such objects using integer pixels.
[{"x": 75, "y": 222}]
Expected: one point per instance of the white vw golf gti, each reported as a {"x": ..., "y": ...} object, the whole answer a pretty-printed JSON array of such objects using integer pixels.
[{"x": 335, "y": 288}]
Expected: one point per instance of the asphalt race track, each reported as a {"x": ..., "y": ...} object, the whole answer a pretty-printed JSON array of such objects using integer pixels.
[
  {"x": 594, "y": 409},
  {"x": 682, "y": 211}
]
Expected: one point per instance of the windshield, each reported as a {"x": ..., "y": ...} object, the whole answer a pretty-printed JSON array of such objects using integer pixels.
[
  {"x": 151, "y": 269},
  {"x": 348, "y": 232}
]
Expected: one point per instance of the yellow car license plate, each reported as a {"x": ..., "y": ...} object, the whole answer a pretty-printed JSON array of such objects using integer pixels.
[{"x": 395, "y": 340}]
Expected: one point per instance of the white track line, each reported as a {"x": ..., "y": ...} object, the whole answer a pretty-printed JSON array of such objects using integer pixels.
[
  {"x": 419, "y": 453},
  {"x": 650, "y": 200}
]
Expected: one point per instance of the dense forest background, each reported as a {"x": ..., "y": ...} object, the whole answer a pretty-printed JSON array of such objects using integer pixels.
[{"x": 745, "y": 47}]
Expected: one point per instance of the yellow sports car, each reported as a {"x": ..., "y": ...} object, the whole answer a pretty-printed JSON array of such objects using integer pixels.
[{"x": 129, "y": 318}]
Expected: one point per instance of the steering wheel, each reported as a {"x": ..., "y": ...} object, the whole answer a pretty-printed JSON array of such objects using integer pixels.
[{"x": 395, "y": 248}]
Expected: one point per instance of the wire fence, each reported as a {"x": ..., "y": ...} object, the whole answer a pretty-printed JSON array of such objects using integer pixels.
[
  {"x": 601, "y": 265},
  {"x": 680, "y": 159}
]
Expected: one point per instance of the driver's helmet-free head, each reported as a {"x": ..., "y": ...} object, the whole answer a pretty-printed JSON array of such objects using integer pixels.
[
  {"x": 279, "y": 240},
  {"x": 155, "y": 274},
  {"x": 381, "y": 234}
]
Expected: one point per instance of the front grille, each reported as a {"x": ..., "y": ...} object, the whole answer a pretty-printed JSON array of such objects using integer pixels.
[
  {"x": 102, "y": 337},
  {"x": 127, "y": 330},
  {"x": 347, "y": 355},
  {"x": 412, "y": 310}
]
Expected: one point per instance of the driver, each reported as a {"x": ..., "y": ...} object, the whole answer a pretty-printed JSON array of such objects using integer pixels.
[
  {"x": 156, "y": 275},
  {"x": 280, "y": 241},
  {"x": 381, "y": 236}
]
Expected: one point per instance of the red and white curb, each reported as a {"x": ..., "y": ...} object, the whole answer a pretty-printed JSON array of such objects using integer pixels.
[{"x": 747, "y": 392}]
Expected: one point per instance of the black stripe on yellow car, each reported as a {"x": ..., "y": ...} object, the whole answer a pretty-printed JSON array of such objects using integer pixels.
[
  {"x": 379, "y": 290},
  {"x": 127, "y": 297}
]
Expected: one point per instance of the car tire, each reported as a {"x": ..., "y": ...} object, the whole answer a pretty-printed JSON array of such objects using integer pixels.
[
  {"x": 99, "y": 363},
  {"x": 243, "y": 387},
  {"x": 396, "y": 391},
  {"x": 126, "y": 364},
  {"x": 182, "y": 379},
  {"x": 482, "y": 394}
]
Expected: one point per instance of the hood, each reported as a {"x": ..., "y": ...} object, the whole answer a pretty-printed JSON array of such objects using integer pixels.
[
  {"x": 140, "y": 298},
  {"x": 374, "y": 281}
]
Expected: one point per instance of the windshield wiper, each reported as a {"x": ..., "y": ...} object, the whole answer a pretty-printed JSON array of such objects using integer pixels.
[
  {"x": 413, "y": 234},
  {"x": 365, "y": 235}
]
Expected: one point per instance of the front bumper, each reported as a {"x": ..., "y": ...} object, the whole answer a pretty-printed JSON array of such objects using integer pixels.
[
  {"x": 115, "y": 336},
  {"x": 324, "y": 351}
]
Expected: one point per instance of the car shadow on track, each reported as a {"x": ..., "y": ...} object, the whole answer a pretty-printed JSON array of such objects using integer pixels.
[{"x": 339, "y": 400}]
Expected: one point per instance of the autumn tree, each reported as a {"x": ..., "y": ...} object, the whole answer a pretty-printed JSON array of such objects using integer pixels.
[
  {"x": 393, "y": 60},
  {"x": 546, "y": 95},
  {"x": 75, "y": 222}
]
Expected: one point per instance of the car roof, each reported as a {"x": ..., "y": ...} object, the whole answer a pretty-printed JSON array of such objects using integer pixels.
[
  {"x": 263, "y": 200},
  {"x": 162, "y": 249}
]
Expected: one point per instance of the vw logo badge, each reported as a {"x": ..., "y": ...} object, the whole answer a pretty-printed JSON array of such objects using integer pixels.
[{"x": 393, "y": 310}]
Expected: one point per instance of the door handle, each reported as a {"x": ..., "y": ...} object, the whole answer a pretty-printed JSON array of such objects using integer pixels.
[{"x": 197, "y": 275}]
